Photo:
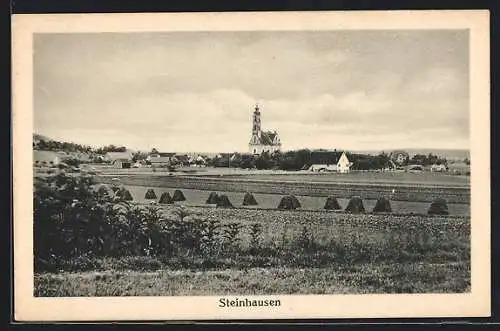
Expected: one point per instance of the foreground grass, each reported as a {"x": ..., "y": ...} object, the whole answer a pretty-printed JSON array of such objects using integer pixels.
[{"x": 358, "y": 279}]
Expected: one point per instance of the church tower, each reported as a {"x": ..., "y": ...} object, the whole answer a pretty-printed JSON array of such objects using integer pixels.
[
  {"x": 262, "y": 141},
  {"x": 256, "y": 121}
]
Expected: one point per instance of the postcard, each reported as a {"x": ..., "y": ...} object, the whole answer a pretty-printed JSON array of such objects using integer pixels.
[{"x": 265, "y": 165}]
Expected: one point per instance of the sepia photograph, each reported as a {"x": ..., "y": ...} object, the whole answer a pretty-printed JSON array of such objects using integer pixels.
[{"x": 252, "y": 165}]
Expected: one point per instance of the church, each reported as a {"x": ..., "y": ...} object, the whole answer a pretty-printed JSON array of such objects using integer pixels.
[{"x": 262, "y": 141}]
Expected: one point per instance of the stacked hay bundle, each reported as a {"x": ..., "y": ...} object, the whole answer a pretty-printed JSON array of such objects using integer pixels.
[
  {"x": 383, "y": 205},
  {"x": 438, "y": 207},
  {"x": 178, "y": 196},
  {"x": 289, "y": 202},
  {"x": 355, "y": 205},
  {"x": 124, "y": 194},
  {"x": 249, "y": 200},
  {"x": 212, "y": 199},
  {"x": 332, "y": 204},
  {"x": 223, "y": 201},
  {"x": 166, "y": 199},
  {"x": 150, "y": 194}
]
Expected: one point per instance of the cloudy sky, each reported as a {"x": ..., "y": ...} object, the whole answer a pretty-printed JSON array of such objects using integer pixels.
[{"x": 195, "y": 91}]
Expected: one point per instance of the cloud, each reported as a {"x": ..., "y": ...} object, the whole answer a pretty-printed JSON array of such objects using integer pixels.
[{"x": 196, "y": 91}]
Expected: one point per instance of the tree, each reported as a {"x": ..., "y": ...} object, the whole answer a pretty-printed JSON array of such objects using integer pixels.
[{"x": 154, "y": 151}]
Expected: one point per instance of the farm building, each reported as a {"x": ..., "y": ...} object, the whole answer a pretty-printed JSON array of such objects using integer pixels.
[
  {"x": 197, "y": 161},
  {"x": 330, "y": 161},
  {"x": 439, "y": 168},
  {"x": 163, "y": 161},
  {"x": 122, "y": 163},
  {"x": 112, "y": 156},
  {"x": 46, "y": 158},
  {"x": 262, "y": 141}
]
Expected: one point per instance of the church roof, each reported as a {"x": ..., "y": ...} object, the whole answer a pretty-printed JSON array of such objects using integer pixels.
[{"x": 267, "y": 137}]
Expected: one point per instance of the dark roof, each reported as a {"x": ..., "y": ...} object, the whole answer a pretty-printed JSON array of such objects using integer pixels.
[
  {"x": 166, "y": 154},
  {"x": 325, "y": 157},
  {"x": 182, "y": 158},
  {"x": 267, "y": 137}
]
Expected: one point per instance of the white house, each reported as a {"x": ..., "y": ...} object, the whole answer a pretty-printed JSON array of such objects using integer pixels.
[{"x": 330, "y": 161}]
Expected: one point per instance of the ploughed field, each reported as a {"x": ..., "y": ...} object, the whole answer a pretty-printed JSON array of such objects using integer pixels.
[
  {"x": 298, "y": 252},
  {"x": 424, "y": 192}
]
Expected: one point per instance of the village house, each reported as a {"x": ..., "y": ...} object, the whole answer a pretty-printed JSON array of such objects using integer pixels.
[
  {"x": 262, "y": 141},
  {"x": 163, "y": 161},
  {"x": 439, "y": 168},
  {"x": 330, "y": 161},
  {"x": 122, "y": 163},
  {"x": 113, "y": 156}
]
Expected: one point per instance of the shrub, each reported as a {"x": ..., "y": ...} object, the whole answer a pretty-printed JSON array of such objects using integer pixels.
[
  {"x": 355, "y": 205},
  {"x": 332, "y": 204},
  {"x": 212, "y": 198},
  {"x": 438, "y": 207},
  {"x": 289, "y": 202},
  {"x": 178, "y": 196},
  {"x": 166, "y": 199},
  {"x": 223, "y": 201},
  {"x": 105, "y": 193},
  {"x": 249, "y": 200},
  {"x": 383, "y": 205},
  {"x": 150, "y": 194}
]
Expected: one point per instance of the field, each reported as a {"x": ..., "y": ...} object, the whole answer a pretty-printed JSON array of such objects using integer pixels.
[
  {"x": 366, "y": 190},
  {"x": 270, "y": 251},
  {"x": 271, "y": 201},
  {"x": 355, "y": 254}
]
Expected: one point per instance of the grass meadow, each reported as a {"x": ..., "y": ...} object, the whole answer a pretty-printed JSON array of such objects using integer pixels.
[{"x": 352, "y": 254}]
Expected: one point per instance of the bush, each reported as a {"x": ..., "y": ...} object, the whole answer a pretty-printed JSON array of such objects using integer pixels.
[
  {"x": 383, "y": 205},
  {"x": 150, "y": 194},
  {"x": 438, "y": 207},
  {"x": 212, "y": 198},
  {"x": 166, "y": 199},
  {"x": 249, "y": 200},
  {"x": 289, "y": 202},
  {"x": 223, "y": 201},
  {"x": 332, "y": 204},
  {"x": 355, "y": 205},
  {"x": 178, "y": 196}
]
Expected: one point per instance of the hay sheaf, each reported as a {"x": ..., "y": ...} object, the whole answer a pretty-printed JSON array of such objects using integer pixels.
[
  {"x": 383, "y": 205},
  {"x": 249, "y": 200},
  {"x": 332, "y": 204},
  {"x": 166, "y": 199},
  {"x": 150, "y": 194},
  {"x": 438, "y": 207},
  {"x": 224, "y": 202},
  {"x": 289, "y": 202},
  {"x": 178, "y": 196},
  {"x": 355, "y": 205},
  {"x": 124, "y": 194},
  {"x": 212, "y": 198}
]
